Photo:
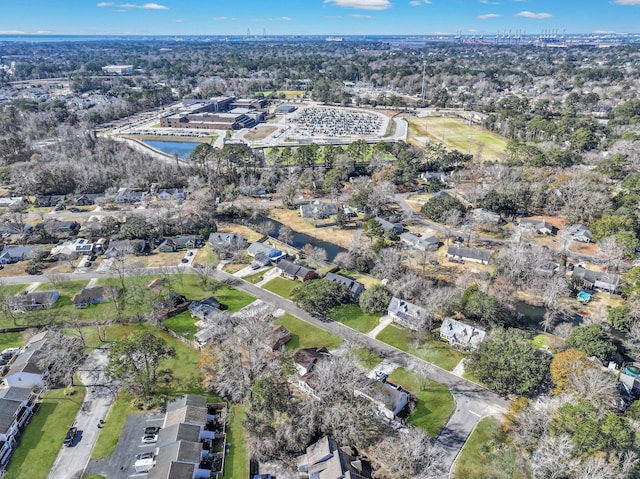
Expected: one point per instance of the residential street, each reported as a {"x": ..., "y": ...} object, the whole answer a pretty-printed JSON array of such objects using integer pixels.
[
  {"x": 472, "y": 401},
  {"x": 72, "y": 461}
]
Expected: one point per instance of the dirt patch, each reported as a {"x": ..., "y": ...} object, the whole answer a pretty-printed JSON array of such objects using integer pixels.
[
  {"x": 590, "y": 249},
  {"x": 260, "y": 133},
  {"x": 161, "y": 259}
]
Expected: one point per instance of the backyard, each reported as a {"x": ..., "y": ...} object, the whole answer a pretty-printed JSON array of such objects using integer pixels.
[{"x": 422, "y": 345}]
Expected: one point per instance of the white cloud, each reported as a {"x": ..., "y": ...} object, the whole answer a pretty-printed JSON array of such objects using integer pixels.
[
  {"x": 105, "y": 4},
  {"x": 177, "y": 20},
  {"x": 527, "y": 14},
  {"x": 626, "y": 2},
  {"x": 488, "y": 16},
  {"x": 362, "y": 4},
  {"x": 359, "y": 15},
  {"x": 417, "y": 3},
  {"x": 146, "y": 6},
  {"x": 13, "y": 32},
  {"x": 220, "y": 19},
  {"x": 276, "y": 19}
]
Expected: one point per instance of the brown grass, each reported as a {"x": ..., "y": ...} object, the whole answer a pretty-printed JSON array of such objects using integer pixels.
[
  {"x": 247, "y": 233},
  {"x": 260, "y": 133},
  {"x": 325, "y": 232}
]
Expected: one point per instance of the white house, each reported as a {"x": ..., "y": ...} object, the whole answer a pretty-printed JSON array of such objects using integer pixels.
[
  {"x": 388, "y": 398},
  {"x": 461, "y": 334},
  {"x": 406, "y": 314}
]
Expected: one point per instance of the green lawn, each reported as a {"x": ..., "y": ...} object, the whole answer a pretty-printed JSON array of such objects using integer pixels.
[
  {"x": 44, "y": 435},
  {"x": 435, "y": 402},
  {"x": 236, "y": 464},
  {"x": 427, "y": 348},
  {"x": 113, "y": 425},
  {"x": 282, "y": 287},
  {"x": 11, "y": 340},
  {"x": 351, "y": 315},
  {"x": 183, "y": 324},
  {"x": 478, "y": 456},
  {"x": 367, "y": 358},
  {"x": 11, "y": 289},
  {"x": 305, "y": 335},
  {"x": 234, "y": 300},
  {"x": 257, "y": 277},
  {"x": 65, "y": 288}
]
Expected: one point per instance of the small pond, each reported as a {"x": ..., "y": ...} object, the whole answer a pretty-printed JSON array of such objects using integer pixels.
[{"x": 181, "y": 148}]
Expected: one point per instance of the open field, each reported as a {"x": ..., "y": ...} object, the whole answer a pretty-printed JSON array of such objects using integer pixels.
[
  {"x": 325, "y": 231},
  {"x": 260, "y": 132},
  {"x": 435, "y": 402},
  {"x": 43, "y": 437},
  {"x": 305, "y": 335},
  {"x": 422, "y": 345},
  {"x": 485, "y": 444},
  {"x": 287, "y": 93},
  {"x": 456, "y": 133}
]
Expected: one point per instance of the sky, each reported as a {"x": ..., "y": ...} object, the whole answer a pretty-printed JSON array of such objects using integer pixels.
[{"x": 316, "y": 17}]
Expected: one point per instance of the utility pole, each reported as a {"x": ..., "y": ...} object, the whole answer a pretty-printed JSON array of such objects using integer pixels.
[{"x": 423, "y": 93}]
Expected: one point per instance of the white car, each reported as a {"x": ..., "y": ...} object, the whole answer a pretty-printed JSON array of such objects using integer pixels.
[{"x": 150, "y": 438}]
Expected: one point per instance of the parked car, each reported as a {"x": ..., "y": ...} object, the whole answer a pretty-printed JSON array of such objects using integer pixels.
[
  {"x": 93, "y": 257},
  {"x": 11, "y": 351},
  {"x": 255, "y": 266},
  {"x": 184, "y": 260},
  {"x": 87, "y": 264},
  {"x": 75, "y": 210},
  {"x": 150, "y": 438},
  {"x": 151, "y": 430},
  {"x": 190, "y": 253},
  {"x": 144, "y": 455},
  {"x": 70, "y": 436}
]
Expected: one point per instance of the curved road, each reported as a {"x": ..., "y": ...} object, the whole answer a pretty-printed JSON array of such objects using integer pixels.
[{"x": 472, "y": 402}]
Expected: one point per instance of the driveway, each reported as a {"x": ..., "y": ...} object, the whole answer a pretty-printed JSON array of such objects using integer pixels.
[{"x": 72, "y": 461}]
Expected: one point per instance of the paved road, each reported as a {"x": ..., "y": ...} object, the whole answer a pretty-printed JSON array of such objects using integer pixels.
[{"x": 72, "y": 461}]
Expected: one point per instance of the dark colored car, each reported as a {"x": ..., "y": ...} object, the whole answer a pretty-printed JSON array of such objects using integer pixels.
[
  {"x": 184, "y": 260},
  {"x": 75, "y": 210},
  {"x": 151, "y": 430},
  {"x": 87, "y": 264},
  {"x": 71, "y": 435}
]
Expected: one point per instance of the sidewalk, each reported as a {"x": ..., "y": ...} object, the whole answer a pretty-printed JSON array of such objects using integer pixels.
[{"x": 384, "y": 322}]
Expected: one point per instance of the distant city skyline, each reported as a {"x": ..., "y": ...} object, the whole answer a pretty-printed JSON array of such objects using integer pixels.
[{"x": 317, "y": 17}]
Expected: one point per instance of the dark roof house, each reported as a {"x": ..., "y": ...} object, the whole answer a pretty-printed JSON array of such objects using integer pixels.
[
  {"x": 95, "y": 295},
  {"x": 407, "y": 315},
  {"x": 462, "y": 253},
  {"x": 429, "y": 243},
  {"x": 290, "y": 270},
  {"x": 355, "y": 288}
]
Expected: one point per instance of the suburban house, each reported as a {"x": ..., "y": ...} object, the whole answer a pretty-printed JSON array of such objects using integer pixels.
[
  {"x": 34, "y": 301},
  {"x": 305, "y": 361},
  {"x": 9, "y": 201},
  {"x": 407, "y": 315},
  {"x": 76, "y": 247},
  {"x": 277, "y": 338},
  {"x": 127, "y": 195},
  {"x": 172, "y": 194},
  {"x": 388, "y": 398},
  {"x": 192, "y": 441},
  {"x": 480, "y": 215},
  {"x": 87, "y": 199},
  {"x": 51, "y": 200},
  {"x": 326, "y": 460},
  {"x": 291, "y": 270},
  {"x": 180, "y": 243},
  {"x": 579, "y": 232},
  {"x": 547, "y": 268},
  {"x": 539, "y": 226},
  {"x": 263, "y": 254},
  {"x": 430, "y": 243},
  {"x": 205, "y": 309},
  {"x": 226, "y": 240},
  {"x": 433, "y": 177},
  {"x": 56, "y": 226},
  {"x": 355, "y": 288},
  {"x": 461, "y": 253},
  {"x": 461, "y": 334},
  {"x": 28, "y": 370},
  {"x": 318, "y": 210},
  {"x": 387, "y": 226},
  {"x": 597, "y": 280},
  {"x": 16, "y": 409},
  {"x": 95, "y": 295},
  {"x": 13, "y": 254},
  {"x": 120, "y": 248}
]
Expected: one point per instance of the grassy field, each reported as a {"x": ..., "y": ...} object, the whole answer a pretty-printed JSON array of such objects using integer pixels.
[
  {"x": 234, "y": 300},
  {"x": 182, "y": 324},
  {"x": 287, "y": 93},
  {"x": 11, "y": 340},
  {"x": 236, "y": 464},
  {"x": 484, "y": 445},
  {"x": 305, "y": 335},
  {"x": 435, "y": 402},
  {"x": 281, "y": 287},
  {"x": 65, "y": 288},
  {"x": 427, "y": 348},
  {"x": 454, "y": 132},
  {"x": 44, "y": 435},
  {"x": 351, "y": 315}
]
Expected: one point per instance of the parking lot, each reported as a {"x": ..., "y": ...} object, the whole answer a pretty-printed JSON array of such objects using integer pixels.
[{"x": 120, "y": 464}]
